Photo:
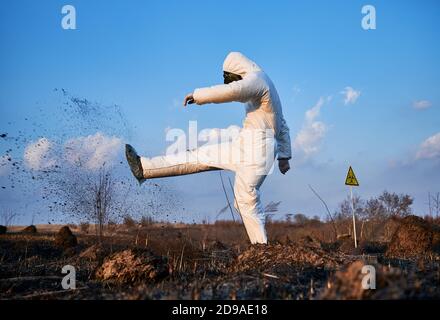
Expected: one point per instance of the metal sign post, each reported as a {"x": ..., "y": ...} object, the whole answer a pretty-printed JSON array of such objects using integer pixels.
[
  {"x": 352, "y": 181},
  {"x": 354, "y": 218}
]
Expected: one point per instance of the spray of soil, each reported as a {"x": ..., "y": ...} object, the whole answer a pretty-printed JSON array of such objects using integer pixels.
[{"x": 63, "y": 151}]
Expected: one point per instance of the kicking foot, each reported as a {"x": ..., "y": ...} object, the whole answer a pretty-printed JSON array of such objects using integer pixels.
[{"x": 134, "y": 161}]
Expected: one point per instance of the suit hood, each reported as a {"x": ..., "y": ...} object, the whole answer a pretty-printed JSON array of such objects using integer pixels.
[{"x": 238, "y": 63}]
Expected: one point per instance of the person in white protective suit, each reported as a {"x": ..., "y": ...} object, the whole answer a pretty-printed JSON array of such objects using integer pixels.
[{"x": 265, "y": 135}]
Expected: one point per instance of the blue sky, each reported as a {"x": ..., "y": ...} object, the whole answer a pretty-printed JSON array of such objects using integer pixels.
[{"x": 146, "y": 55}]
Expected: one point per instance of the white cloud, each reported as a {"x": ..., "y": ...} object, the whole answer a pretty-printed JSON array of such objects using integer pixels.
[
  {"x": 38, "y": 155},
  {"x": 350, "y": 95},
  {"x": 93, "y": 150},
  {"x": 422, "y": 104},
  {"x": 308, "y": 139},
  {"x": 180, "y": 140},
  {"x": 430, "y": 148}
]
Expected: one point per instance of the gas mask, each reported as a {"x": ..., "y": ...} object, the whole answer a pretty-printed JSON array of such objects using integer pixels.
[{"x": 229, "y": 77}]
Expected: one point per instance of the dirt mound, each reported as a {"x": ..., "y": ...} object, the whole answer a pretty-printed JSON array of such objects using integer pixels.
[
  {"x": 345, "y": 244},
  {"x": 95, "y": 252},
  {"x": 413, "y": 237},
  {"x": 133, "y": 266},
  {"x": 373, "y": 247},
  {"x": 65, "y": 238},
  {"x": 309, "y": 241},
  {"x": 281, "y": 258},
  {"x": 30, "y": 229},
  {"x": 3, "y": 229},
  {"x": 392, "y": 283},
  {"x": 347, "y": 284}
]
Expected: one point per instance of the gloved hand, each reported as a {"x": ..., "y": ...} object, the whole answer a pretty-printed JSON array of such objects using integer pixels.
[
  {"x": 189, "y": 99},
  {"x": 284, "y": 165}
]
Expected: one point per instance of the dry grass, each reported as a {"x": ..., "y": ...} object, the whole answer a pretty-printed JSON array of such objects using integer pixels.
[{"x": 163, "y": 261}]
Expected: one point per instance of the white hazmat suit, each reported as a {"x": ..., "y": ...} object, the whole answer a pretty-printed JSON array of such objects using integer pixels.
[{"x": 250, "y": 155}]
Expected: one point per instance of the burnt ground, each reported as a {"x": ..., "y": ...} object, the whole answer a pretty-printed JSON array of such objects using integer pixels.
[{"x": 216, "y": 262}]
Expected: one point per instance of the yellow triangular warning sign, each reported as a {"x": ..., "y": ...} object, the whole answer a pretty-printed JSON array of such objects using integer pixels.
[{"x": 351, "y": 178}]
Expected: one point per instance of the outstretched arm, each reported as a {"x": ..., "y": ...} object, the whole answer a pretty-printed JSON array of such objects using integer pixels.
[{"x": 240, "y": 91}]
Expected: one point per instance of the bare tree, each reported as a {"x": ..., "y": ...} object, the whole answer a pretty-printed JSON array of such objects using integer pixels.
[
  {"x": 396, "y": 205},
  {"x": 434, "y": 204},
  {"x": 86, "y": 194},
  {"x": 374, "y": 210},
  {"x": 102, "y": 197},
  {"x": 344, "y": 211},
  {"x": 7, "y": 216},
  {"x": 429, "y": 204}
]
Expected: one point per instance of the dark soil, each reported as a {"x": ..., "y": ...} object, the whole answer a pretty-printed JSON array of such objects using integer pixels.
[{"x": 214, "y": 262}]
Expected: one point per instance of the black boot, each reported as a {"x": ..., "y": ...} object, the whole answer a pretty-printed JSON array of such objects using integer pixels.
[{"x": 134, "y": 161}]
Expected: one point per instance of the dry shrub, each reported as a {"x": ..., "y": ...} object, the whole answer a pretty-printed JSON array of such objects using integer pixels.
[
  {"x": 65, "y": 238},
  {"x": 133, "y": 266},
  {"x": 30, "y": 229},
  {"x": 413, "y": 237}
]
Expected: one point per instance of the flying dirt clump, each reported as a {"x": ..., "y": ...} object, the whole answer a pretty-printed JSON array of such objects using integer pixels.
[
  {"x": 30, "y": 229},
  {"x": 65, "y": 238},
  {"x": 133, "y": 266},
  {"x": 413, "y": 237},
  {"x": 3, "y": 229}
]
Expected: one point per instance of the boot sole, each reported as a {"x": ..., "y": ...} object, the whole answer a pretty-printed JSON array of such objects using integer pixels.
[{"x": 134, "y": 161}]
